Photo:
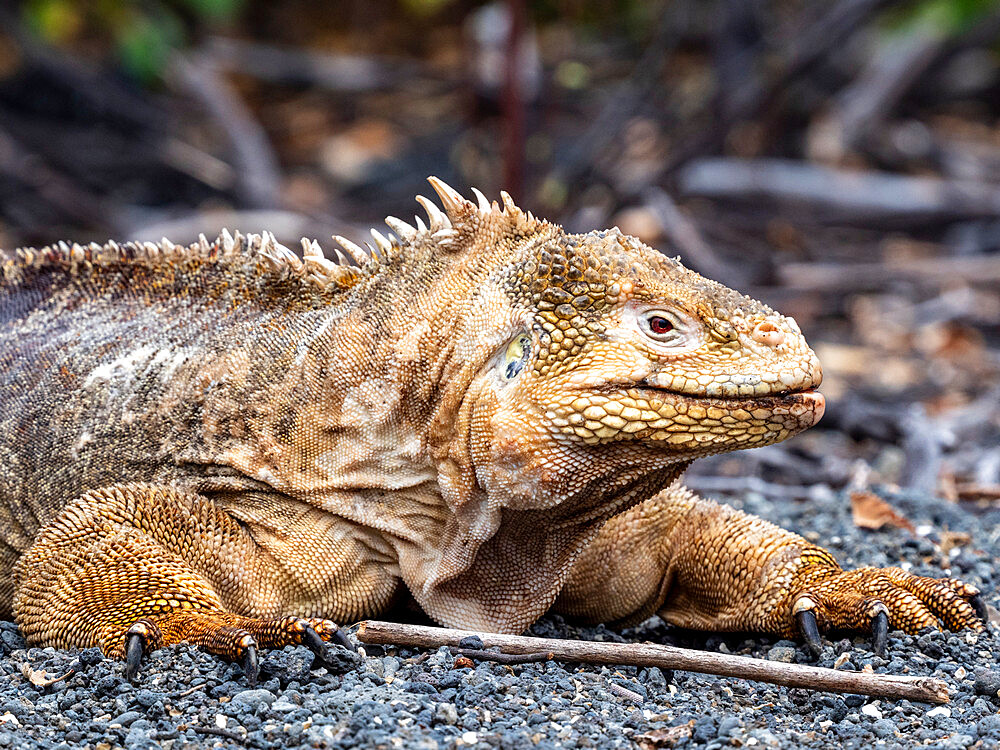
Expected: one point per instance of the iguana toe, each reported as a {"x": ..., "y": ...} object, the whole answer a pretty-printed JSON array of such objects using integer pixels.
[
  {"x": 236, "y": 638},
  {"x": 875, "y": 599},
  {"x": 250, "y": 666}
]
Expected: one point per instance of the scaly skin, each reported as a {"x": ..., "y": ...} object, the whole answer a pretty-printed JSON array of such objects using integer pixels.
[{"x": 226, "y": 444}]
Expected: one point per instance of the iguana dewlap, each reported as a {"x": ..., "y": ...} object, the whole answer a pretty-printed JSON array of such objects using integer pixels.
[{"x": 231, "y": 445}]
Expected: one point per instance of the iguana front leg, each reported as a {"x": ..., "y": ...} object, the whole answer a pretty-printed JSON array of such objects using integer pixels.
[
  {"x": 134, "y": 567},
  {"x": 707, "y": 566}
]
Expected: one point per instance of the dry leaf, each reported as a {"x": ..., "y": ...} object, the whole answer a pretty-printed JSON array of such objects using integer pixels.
[
  {"x": 872, "y": 512},
  {"x": 665, "y": 737},
  {"x": 952, "y": 539},
  {"x": 982, "y": 492},
  {"x": 39, "y": 678},
  {"x": 993, "y": 617}
]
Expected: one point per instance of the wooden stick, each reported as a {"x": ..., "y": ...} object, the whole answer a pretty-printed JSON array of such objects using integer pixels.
[
  {"x": 501, "y": 658},
  {"x": 924, "y": 689}
]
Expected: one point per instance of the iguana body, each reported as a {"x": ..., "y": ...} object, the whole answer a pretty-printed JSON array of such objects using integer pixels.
[{"x": 211, "y": 442}]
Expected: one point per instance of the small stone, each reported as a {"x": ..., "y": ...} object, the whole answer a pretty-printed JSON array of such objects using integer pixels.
[
  {"x": 339, "y": 660},
  {"x": 449, "y": 680},
  {"x": 446, "y": 713},
  {"x": 728, "y": 724},
  {"x": 988, "y": 683},
  {"x": 146, "y": 698},
  {"x": 471, "y": 641},
  {"x": 253, "y": 698},
  {"x": 127, "y": 718},
  {"x": 784, "y": 654},
  {"x": 136, "y": 737},
  {"x": 989, "y": 726},
  {"x": 657, "y": 680},
  {"x": 705, "y": 730},
  {"x": 419, "y": 686},
  {"x": 884, "y": 729},
  {"x": 870, "y": 709},
  {"x": 930, "y": 644},
  {"x": 289, "y": 665},
  {"x": 91, "y": 656},
  {"x": 470, "y": 738},
  {"x": 942, "y": 711}
]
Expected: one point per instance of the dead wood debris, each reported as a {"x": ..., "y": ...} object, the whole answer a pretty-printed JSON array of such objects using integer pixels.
[{"x": 666, "y": 657}]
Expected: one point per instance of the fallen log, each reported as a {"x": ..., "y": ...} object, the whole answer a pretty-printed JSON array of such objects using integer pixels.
[{"x": 894, "y": 687}]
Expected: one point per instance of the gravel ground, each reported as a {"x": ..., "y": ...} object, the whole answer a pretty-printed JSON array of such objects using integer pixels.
[{"x": 403, "y": 698}]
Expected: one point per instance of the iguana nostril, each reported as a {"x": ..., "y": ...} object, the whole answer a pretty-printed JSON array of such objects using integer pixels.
[{"x": 767, "y": 333}]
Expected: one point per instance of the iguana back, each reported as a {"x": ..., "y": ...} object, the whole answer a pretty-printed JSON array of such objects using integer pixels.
[{"x": 174, "y": 365}]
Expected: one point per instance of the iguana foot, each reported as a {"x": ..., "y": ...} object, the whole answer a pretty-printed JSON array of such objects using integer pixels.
[
  {"x": 123, "y": 568},
  {"x": 874, "y": 599},
  {"x": 230, "y": 636},
  {"x": 706, "y": 566}
]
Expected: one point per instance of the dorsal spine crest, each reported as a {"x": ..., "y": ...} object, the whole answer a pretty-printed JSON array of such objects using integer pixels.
[{"x": 449, "y": 230}]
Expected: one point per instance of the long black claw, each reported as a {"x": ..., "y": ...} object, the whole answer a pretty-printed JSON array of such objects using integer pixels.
[
  {"x": 134, "y": 648},
  {"x": 250, "y": 668},
  {"x": 810, "y": 631},
  {"x": 311, "y": 639},
  {"x": 339, "y": 636},
  {"x": 982, "y": 611},
  {"x": 880, "y": 632}
]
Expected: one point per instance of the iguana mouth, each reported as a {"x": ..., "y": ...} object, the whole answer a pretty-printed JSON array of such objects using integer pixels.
[
  {"x": 645, "y": 389},
  {"x": 781, "y": 399},
  {"x": 657, "y": 414}
]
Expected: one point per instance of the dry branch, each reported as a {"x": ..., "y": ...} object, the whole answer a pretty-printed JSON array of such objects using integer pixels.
[
  {"x": 861, "y": 277},
  {"x": 256, "y": 165},
  {"x": 291, "y": 66},
  {"x": 683, "y": 233},
  {"x": 855, "y": 195},
  {"x": 924, "y": 689}
]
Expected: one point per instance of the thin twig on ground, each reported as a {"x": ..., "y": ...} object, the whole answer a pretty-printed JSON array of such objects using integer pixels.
[
  {"x": 502, "y": 658},
  {"x": 924, "y": 689}
]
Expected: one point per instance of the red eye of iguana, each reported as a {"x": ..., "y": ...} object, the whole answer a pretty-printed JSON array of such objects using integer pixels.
[
  {"x": 664, "y": 327},
  {"x": 660, "y": 325}
]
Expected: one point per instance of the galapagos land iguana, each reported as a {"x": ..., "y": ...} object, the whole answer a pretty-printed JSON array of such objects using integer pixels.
[{"x": 231, "y": 445}]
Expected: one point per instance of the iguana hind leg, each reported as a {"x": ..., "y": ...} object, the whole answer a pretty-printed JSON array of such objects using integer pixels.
[
  {"x": 707, "y": 566},
  {"x": 131, "y": 568}
]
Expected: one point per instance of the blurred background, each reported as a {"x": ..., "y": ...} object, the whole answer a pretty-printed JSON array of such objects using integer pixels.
[{"x": 839, "y": 160}]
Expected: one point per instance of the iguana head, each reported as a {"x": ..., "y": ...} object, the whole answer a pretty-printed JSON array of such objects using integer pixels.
[
  {"x": 566, "y": 378},
  {"x": 583, "y": 356}
]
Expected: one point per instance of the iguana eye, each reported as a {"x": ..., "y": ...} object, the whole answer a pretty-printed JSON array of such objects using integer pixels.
[
  {"x": 661, "y": 325},
  {"x": 515, "y": 357}
]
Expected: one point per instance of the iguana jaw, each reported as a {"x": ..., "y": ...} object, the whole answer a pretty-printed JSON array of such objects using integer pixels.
[{"x": 682, "y": 421}]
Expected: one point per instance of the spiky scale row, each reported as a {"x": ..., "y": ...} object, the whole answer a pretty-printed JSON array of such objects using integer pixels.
[{"x": 442, "y": 229}]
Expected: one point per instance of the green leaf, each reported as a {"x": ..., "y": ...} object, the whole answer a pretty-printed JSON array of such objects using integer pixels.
[
  {"x": 55, "y": 21},
  {"x": 144, "y": 46},
  {"x": 215, "y": 10}
]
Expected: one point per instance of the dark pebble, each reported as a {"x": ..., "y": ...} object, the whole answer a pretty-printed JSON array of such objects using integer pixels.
[
  {"x": 126, "y": 718},
  {"x": 339, "y": 660},
  {"x": 471, "y": 641},
  {"x": 988, "y": 683}
]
